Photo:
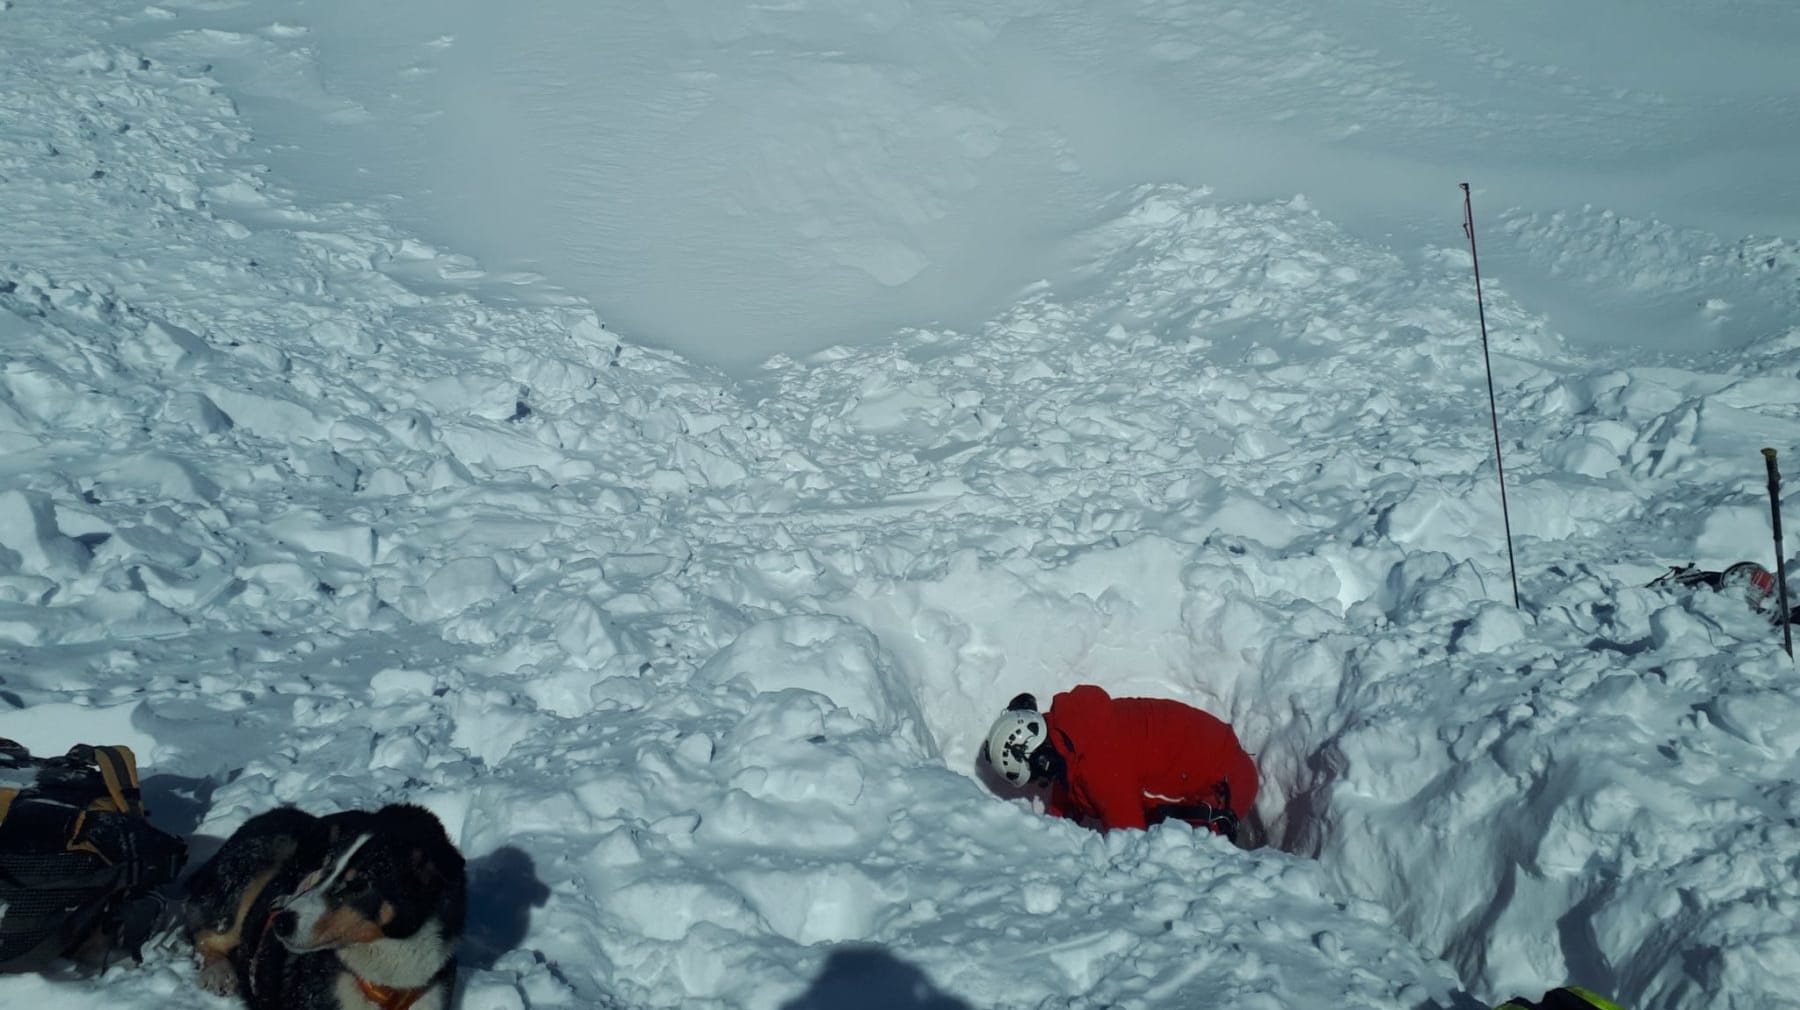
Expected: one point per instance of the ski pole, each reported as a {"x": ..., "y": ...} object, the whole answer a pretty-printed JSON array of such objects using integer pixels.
[
  {"x": 1493, "y": 411},
  {"x": 1787, "y": 628}
]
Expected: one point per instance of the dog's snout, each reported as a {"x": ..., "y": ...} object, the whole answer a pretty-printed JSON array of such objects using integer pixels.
[{"x": 285, "y": 923}]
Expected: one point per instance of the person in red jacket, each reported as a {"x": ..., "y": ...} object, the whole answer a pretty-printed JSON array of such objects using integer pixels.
[{"x": 1125, "y": 762}]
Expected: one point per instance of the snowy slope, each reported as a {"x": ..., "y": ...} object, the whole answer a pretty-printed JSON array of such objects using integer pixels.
[
  {"x": 730, "y": 179},
  {"x": 308, "y": 510}
]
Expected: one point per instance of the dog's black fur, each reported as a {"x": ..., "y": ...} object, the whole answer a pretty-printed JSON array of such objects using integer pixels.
[{"x": 350, "y": 911}]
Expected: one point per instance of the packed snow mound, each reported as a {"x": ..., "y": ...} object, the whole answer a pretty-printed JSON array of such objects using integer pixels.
[{"x": 693, "y": 670}]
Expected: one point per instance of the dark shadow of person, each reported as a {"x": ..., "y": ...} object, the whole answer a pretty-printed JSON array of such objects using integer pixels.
[
  {"x": 503, "y": 889},
  {"x": 866, "y": 977}
]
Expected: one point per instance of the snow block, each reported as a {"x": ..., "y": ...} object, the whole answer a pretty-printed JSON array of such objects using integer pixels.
[
  {"x": 268, "y": 414},
  {"x": 828, "y": 905},
  {"x": 582, "y": 631},
  {"x": 311, "y": 532},
  {"x": 197, "y": 413},
  {"x": 166, "y": 345},
  {"x": 30, "y": 539},
  {"x": 464, "y": 583},
  {"x": 490, "y": 396},
  {"x": 825, "y": 655},
  {"x": 1428, "y": 585},
  {"x": 1494, "y": 627}
]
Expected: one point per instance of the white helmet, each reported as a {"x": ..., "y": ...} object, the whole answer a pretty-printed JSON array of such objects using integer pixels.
[
  {"x": 1018, "y": 733},
  {"x": 1753, "y": 580}
]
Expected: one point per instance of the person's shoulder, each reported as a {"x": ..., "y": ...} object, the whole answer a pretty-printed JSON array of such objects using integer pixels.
[
  {"x": 1082, "y": 695},
  {"x": 1083, "y": 705}
]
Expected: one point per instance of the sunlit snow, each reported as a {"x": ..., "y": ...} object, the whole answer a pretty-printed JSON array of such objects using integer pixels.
[{"x": 659, "y": 438}]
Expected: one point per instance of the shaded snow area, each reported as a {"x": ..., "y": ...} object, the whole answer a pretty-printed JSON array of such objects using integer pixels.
[{"x": 309, "y": 511}]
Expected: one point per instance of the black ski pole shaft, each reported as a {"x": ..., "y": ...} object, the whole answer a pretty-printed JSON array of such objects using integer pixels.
[
  {"x": 1787, "y": 627},
  {"x": 1493, "y": 409}
]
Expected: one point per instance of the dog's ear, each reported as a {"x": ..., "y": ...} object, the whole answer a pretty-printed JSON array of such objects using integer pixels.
[{"x": 1023, "y": 702}]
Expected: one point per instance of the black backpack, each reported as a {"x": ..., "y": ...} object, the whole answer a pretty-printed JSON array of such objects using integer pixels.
[{"x": 79, "y": 861}]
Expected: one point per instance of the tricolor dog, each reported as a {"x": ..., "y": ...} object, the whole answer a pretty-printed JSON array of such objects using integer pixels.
[{"x": 350, "y": 911}]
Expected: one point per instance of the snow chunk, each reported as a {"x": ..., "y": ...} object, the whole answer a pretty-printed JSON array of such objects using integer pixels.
[
  {"x": 463, "y": 583},
  {"x": 396, "y": 684},
  {"x": 828, "y": 905},
  {"x": 166, "y": 345},
  {"x": 489, "y": 724},
  {"x": 311, "y": 532},
  {"x": 1494, "y": 627},
  {"x": 30, "y": 540},
  {"x": 486, "y": 396},
  {"x": 886, "y": 406},
  {"x": 197, "y": 413},
  {"x": 1583, "y": 454},
  {"x": 828, "y": 656},
  {"x": 667, "y": 909},
  {"x": 1291, "y": 273},
  {"x": 1428, "y": 586},
  {"x": 490, "y": 992},
  {"x": 268, "y": 414}
]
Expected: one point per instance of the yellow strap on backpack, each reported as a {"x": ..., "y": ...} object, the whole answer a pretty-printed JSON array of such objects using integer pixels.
[
  {"x": 118, "y": 770},
  {"x": 118, "y": 767}
]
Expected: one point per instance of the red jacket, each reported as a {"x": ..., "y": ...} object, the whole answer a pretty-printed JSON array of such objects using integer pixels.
[{"x": 1125, "y": 757}]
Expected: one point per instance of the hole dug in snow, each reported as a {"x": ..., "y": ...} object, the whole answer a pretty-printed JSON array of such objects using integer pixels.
[
  {"x": 1391, "y": 744},
  {"x": 1422, "y": 742}
]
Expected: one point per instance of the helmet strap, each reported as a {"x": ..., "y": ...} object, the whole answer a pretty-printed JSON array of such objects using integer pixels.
[{"x": 1046, "y": 764}]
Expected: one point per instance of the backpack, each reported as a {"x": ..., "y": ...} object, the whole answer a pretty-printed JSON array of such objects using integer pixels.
[{"x": 78, "y": 858}]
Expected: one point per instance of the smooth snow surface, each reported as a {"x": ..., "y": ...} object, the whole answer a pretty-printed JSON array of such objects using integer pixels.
[
  {"x": 308, "y": 509},
  {"x": 733, "y": 179}
]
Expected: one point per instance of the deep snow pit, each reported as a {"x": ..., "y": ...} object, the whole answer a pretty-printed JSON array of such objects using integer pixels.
[
  {"x": 989, "y": 628},
  {"x": 1500, "y": 841}
]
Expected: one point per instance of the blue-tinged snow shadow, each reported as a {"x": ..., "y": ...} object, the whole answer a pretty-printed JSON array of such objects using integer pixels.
[
  {"x": 503, "y": 889},
  {"x": 177, "y": 804},
  {"x": 868, "y": 977}
]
